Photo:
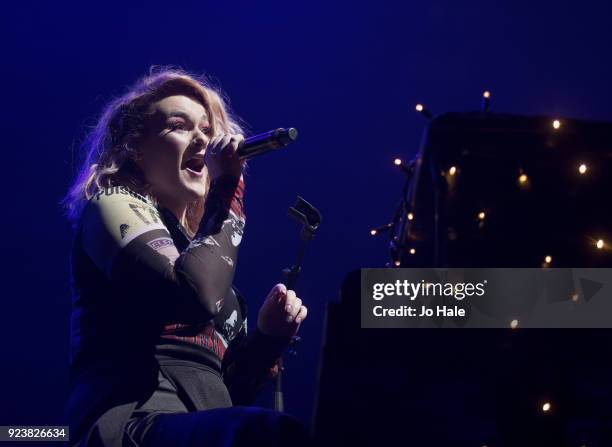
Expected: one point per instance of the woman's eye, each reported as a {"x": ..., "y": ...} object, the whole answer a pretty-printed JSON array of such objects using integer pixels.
[
  {"x": 206, "y": 130},
  {"x": 177, "y": 125}
]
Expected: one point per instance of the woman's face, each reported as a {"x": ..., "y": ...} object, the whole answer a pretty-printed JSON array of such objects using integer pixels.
[{"x": 172, "y": 150}]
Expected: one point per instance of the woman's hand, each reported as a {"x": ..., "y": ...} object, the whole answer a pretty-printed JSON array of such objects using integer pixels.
[
  {"x": 281, "y": 313},
  {"x": 221, "y": 157}
]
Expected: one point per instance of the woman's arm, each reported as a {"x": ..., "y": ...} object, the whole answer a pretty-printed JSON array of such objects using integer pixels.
[
  {"x": 124, "y": 235},
  {"x": 250, "y": 362}
]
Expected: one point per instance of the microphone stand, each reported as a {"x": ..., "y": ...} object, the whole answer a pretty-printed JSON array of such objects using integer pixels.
[{"x": 310, "y": 218}]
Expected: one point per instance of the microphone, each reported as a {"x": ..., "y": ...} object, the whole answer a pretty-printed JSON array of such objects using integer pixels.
[{"x": 266, "y": 142}]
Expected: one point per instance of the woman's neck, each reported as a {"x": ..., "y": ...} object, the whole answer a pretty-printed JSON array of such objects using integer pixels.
[{"x": 179, "y": 210}]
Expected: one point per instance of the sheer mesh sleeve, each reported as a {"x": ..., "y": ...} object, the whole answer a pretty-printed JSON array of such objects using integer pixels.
[
  {"x": 250, "y": 362},
  {"x": 126, "y": 238}
]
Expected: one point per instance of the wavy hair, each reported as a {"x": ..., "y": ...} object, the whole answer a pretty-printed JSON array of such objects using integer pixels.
[{"x": 109, "y": 146}]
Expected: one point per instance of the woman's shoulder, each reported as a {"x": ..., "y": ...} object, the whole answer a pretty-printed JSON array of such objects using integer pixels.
[
  {"x": 121, "y": 212},
  {"x": 119, "y": 199},
  {"x": 111, "y": 195}
]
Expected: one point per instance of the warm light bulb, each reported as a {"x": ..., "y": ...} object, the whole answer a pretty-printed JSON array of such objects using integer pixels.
[
  {"x": 548, "y": 259},
  {"x": 574, "y": 297},
  {"x": 486, "y": 94},
  {"x": 397, "y": 263},
  {"x": 514, "y": 324},
  {"x": 452, "y": 170},
  {"x": 410, "y": 216},
  {"x": 600, "y": 244},
  {"x": 556, "y": 124},
  {"x": 582, "y": 168},
  {"x": 373, "y": 232},
  {"x": 412, "y": 251},
  {"x": 481, "y": 215},
  {"x": 546, "y": 407},
  {"x": 419, "y": 107},
  {"x": 397, "y": 162},
  {"x": 523, "y": 178}
]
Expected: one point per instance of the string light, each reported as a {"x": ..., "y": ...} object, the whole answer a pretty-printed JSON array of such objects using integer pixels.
[
  {"x": 397, "y": 263},
  {"x": 514, "y": 324},
  {"x": 486, "y": 101},
  {"x": 406, "y": 167},
  {"x": 523, "y": 180},
  {"x": 574, "y": 297},
  {"x": 546, "y": 407},
  {"x": 423, "y": 111},
  {"x": 385, "y": 227}
]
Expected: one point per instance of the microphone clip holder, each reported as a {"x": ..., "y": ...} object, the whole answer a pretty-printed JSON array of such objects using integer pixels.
[{"x": 310, "y": 218}]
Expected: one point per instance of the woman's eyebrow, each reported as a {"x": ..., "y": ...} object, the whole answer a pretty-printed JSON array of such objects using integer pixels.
[{"x": 185, "y": 115}]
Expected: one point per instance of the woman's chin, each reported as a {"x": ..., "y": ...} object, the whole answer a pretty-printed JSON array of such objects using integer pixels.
[
  {"x": 194, "y": 192},
  {"x": 193, "y": 189}
]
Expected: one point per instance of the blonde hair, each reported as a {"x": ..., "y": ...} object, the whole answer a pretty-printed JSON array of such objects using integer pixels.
[{"x": 109, "y": 150}]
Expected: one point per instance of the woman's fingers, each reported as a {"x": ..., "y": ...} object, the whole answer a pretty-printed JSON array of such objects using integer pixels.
[
  {"x": 290, "y": 297},
  {"x": 221, "y": 142},
  {"x": 233, "y": 144},
  {"x": 287, "y": 299},
  {"x": 213, "y": 144},
  {"x": 221, "y": 155},
  {"x": 227, "y": 143},
  {"x": 279, "y": 291},
  {"x": 292, "y": 305},
  {"x": 236, "y": 141},
  {"x": 301, "y": 314},
  {"x": 282, "y": 312}
]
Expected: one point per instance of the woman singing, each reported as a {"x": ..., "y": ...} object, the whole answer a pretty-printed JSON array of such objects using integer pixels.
[{"x": 160, "y": 354}]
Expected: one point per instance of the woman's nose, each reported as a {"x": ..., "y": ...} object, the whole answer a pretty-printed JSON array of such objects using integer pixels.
[{"x": 201, "y": 140}]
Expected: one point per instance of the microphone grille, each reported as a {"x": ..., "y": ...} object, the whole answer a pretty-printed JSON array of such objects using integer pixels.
[{"x": 286, "y": 136}]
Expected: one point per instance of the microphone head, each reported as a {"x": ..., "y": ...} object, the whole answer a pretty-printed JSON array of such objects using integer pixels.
[{"x": 286, "y": 136}]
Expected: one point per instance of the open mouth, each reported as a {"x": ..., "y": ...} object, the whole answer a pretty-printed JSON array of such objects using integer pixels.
[{"x": 195, "y": 164}]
